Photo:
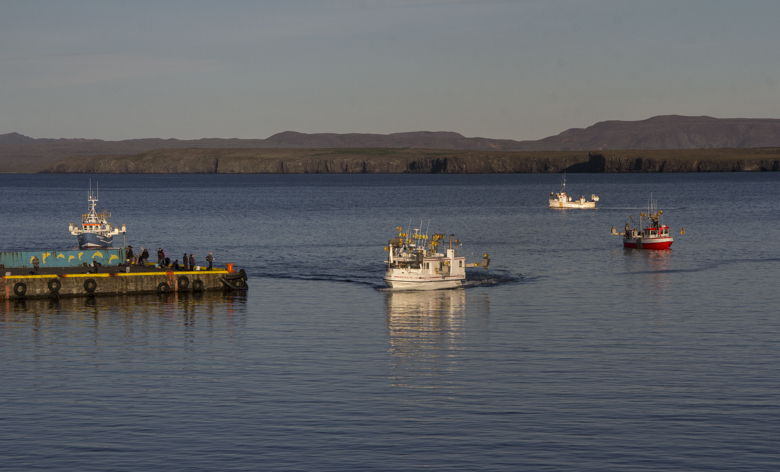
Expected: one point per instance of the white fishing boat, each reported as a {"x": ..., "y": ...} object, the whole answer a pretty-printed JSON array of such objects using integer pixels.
[
  {"x": 562, "y": 200},
  {"x": 95, "y": 230},
  {"x": 415, "y": 263}
]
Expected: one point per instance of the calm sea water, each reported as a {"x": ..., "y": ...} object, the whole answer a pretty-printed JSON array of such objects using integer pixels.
[{"x": 570, "y": 353}]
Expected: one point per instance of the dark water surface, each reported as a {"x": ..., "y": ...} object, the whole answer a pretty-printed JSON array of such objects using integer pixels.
[{"x": 571, "y": 353}]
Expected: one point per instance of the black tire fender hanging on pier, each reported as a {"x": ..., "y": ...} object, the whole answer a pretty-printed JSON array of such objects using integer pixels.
[
  {"x": 20, "y": 289},
  {"x": 237, "y": 284},
  {"x": 238, "y": 275},
  {"x": 90, "y": 285},
  {"x": 197, "y": 285},
  {"x": 183, "y": 282},
  {"x": 55, "y": 285},
  {"x": 163, "y": 288}
]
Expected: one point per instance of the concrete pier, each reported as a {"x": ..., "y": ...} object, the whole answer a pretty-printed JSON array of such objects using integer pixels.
[{"x": 116, "y": 281}]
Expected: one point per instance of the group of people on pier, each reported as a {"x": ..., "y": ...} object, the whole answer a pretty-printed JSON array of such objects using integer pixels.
[{"x": 188, "y": 262}]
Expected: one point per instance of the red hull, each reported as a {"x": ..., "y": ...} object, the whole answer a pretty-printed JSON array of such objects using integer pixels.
[{"x": 649, "y": 245}]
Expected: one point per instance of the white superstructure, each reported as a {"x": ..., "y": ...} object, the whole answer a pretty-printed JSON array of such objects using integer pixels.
[
  {"x": 95, "y": 230},
  {"x": 414, "y": 262},
  {"x": 561, "y": 200}
]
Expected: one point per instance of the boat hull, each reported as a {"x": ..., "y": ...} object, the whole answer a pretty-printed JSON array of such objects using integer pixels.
[
  {"x": 92, "y": 240},
  {"x": 558, "y": 204},
  {"x": 416, "y": 282},
  {"x": 653, "y": 244}
]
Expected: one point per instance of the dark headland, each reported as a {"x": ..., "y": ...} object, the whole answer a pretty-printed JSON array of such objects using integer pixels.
[
  {"x": 398, "y": 161},
  {"x": 659, "y": 144}
]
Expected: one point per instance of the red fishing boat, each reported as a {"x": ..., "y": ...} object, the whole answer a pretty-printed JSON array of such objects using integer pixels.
[{"x": 649, "y": 232}]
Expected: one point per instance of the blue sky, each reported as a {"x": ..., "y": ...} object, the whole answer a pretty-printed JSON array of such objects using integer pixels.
[{"x": 497, "y": 69}]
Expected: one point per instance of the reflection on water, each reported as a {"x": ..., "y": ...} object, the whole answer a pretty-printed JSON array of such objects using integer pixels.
[
  {"x": 653, "y": 266},
  {"x": 658, "y": 262},
  {"x": 648, "y": 274},
  {"x": 424, "y": 329},
  {"x": 176, "y": 313}
]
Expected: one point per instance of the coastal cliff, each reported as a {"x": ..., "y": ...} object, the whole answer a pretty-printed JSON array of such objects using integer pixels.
[
  {"x": 400, "y": 161},
  {"x": 319, "y": 161},
  {"x": 698, "y": 160}
]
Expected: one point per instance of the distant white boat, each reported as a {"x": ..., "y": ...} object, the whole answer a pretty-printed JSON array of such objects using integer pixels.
[{"x": 561, "y": 200}]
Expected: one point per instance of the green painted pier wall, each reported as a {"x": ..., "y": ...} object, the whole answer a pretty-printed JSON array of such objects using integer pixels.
[
  {"x": 106, "y": 257},
  {"x": 117, "y": 283}
]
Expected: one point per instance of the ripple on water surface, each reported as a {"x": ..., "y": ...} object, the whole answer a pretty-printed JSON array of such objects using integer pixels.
[{"x": 570, "y": 353}]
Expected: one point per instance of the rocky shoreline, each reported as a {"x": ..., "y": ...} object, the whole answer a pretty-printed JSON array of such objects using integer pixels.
[{"x": 401, "y": 161}]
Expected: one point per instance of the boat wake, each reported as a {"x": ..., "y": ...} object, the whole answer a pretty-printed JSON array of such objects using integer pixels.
[
  {"x": 487, "y": 279},
  {"x": 320, "y": 277}
]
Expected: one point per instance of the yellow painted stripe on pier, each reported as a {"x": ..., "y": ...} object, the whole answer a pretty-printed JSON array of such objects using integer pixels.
[
  {"x": 53, "y": 276},
  {"x": 30, "y": 276},
  {"x": 85, "y": 275},
  {"x": 134, "y": 274},
  {"x": 177, "y": 272}
]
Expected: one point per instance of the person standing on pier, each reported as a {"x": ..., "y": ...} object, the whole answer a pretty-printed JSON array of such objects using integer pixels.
[
  {"x": 210, "y": 260},
  {"x": 35, "y": 263},
  {"x": 129, "y": 257},
  {"x": 160, "y": 257},
  {"x": 184, "y": 261},
  {"x": 192, "y": 261},
  {"x": 144, "y": 257}
]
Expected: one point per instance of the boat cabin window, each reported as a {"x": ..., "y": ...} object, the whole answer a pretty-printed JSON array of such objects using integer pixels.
[{"x": 460, "y": 263}]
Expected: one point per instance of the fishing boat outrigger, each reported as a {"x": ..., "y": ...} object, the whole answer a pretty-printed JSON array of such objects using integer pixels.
[
  {"x": 414, "y": 262},
  {"x": 561, "y": 200},
  {"x": 95, "y": 229},
  {"x": 649, "y": 232}
]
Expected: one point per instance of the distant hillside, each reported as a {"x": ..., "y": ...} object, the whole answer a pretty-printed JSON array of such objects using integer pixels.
[
  {"x": 412, "y": 140},
  {"x": 668, "y": 132},
  {"x": 20, "y": 153},
  {"x": 660, "y": 132},
  {"x": 399, "y": 161}
]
